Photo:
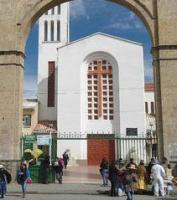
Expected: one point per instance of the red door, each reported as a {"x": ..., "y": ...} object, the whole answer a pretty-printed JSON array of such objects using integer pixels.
[{"x": 99, "y": 148}]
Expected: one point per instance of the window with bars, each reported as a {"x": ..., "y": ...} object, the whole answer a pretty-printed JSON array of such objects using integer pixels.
[
  {"x": 26, "y": 121},
  {"x": 100, "y": 90}
]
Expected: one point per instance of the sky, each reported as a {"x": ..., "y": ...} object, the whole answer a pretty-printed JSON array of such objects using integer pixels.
[{"x": 88, "y": 17}]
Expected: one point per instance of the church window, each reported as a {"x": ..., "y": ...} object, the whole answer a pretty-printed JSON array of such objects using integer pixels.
[
  {"x": 100, "y": 90},
  {"x": 58, "y": 9},
  {"x": 52, "y": 30},
  {"x": 53, "y": 11},
  {"x": 45, "y": 31},
  {"x": 152, "y": 108},
  {"x": 146, "y": 107},
  {"x": 51, "y": 84},
  {"x": 58, "y": 30}
]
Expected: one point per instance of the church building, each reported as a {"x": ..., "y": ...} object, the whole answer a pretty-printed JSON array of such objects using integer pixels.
[{"x": 92, "y": 87}]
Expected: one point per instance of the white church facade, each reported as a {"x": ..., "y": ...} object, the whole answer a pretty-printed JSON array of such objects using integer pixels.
[
  {"x": 93, "y": 86},
  {"x": 100, "y": 90}
]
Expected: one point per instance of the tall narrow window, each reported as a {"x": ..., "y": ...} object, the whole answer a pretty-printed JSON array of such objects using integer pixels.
[
  {"x": 58, "y": 30},
  {"x": 152, "y": 108},
  {"x": 58, "y": 9},
  {"x": 51, "y": 84},
  {"x": 52, "y": 31},
  {"x": 146, "y": 107},
  {"x": 45, "y": 31},
  {"x": 100, "y": 90},
  {"x": 53, "y": 11},
  {"x": 46, "y": 13}
]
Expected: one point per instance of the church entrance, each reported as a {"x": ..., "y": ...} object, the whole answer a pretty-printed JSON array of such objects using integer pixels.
[{"x": 98, "y": 149}]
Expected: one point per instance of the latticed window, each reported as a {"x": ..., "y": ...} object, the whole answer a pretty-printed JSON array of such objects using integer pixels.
[{"x": 100, "y": 90}]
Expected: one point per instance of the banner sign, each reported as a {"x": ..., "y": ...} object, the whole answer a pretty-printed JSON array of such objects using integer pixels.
[{"x": 43, "y": 139}]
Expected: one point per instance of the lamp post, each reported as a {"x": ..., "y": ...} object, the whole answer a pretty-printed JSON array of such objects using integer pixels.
[{"x": 50, "y": 143}]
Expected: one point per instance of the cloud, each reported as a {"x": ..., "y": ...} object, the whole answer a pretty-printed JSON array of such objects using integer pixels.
[
  {"x": 127, "y": 22},
  {"x": 78, "y": 9}
]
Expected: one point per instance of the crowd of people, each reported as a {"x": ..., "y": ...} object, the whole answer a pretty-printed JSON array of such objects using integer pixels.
[
  {"x": 23, "y": 173},
  {"x": 127, "y": 177}
]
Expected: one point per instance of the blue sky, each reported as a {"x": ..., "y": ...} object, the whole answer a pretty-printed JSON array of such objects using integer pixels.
[{"x": 87, "y": 17}]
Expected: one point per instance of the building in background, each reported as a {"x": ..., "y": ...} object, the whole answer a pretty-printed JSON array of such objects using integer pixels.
[
  {"x": 89, "y": 87},
  {"x": 100, "y": 90},
  {"x": 30, "y": 115},
  {"x": 53, "y": 33}
]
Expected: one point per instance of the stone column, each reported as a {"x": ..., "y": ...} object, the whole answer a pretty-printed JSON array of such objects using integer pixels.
[
  {"x": 11, "y": 96},
  {"x": 158, "y": 105},
  {"x": 168, "y": 79}
]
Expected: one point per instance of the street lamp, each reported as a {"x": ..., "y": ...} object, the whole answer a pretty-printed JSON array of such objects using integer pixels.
[{"x": 50, "y": 143}]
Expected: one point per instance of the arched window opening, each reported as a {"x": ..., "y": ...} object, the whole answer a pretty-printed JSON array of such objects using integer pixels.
[
  {"x": 146, "y": 107},
  {"x": 58, "y": 30},
  {"x": 100, "y": 90},
  {"x": 152, "y": 108},
  {"x": 45, "y": 31},
  {"x": 53, "y": 11},
  {"x": 58, "y": 9},
  {"x": 52, "y": 30}
]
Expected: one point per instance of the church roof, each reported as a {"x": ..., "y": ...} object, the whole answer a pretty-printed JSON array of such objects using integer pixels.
[
  {"x": 104, "y": 35},
  {"x": 44, "y": 126},
  {"x": 149, "y": 87}
]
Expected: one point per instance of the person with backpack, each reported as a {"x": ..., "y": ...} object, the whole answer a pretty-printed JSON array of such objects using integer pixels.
[
  {"x": 104, "y": 171},
  {"x": 5, "y": 178},
  {"x": 22, "y": 176},
  {"x": 58, "y": 168}
]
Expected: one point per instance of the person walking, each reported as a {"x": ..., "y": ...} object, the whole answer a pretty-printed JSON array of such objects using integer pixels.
[
  {"x": 22, "y": 175},
  {"x": 142, "y": 177},
  {"x": 5, "y": 178},
  {"x": 113, "y": 178},
  {"x": 129, "y": 181},
  {"x": 157, "y": 175},
  {"x": 45, "y": 167},
  {"x": 58, "y": 167},
  {"x": 104, "y": 170},
  {"x": 121, "y": 169},
  {"x": 65, "y": 159}
]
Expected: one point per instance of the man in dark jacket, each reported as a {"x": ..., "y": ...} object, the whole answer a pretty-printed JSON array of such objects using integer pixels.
[
  {"x": 113, "y": 178},
  {"x": 4, "y": 178}
]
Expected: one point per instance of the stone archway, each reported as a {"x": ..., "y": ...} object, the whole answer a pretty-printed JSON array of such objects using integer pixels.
[{"x": 17, "y": 18}]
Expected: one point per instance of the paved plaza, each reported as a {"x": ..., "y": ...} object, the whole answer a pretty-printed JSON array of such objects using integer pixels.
[
  {"x": 68, "y": 191},
  {"x": 78, "y": 183}
]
